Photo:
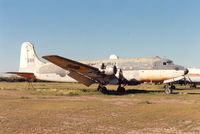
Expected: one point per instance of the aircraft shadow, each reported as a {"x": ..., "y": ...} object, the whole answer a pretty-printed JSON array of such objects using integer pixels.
[
  {"x": 136, "y": 91},
  {"x": 194, "y": 93},
  {"x": 130, "y": 91},
  {"x": 187, "y": 88}
]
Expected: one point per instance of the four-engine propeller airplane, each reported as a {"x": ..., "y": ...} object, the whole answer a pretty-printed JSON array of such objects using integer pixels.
[{"x": 129, "y": 71}]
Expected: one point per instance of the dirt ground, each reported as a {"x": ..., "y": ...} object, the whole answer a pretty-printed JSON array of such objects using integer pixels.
[{"x": 54, "y": 108}]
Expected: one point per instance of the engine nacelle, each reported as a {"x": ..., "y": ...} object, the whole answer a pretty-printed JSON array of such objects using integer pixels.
[{"x": 109, "y": 70}]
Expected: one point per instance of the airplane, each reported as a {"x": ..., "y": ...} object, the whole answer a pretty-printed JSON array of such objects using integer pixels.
[
  {"x": 117, "y": 71},
  {"x": 193, "y": 77}
]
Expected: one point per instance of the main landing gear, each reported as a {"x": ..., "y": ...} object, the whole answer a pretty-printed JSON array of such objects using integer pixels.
[
  {"x": 103, "y": 89},
  {"x": 120, "y": 88},
  {"x": 193, "y": 85},
  {"x": 169, "y": 89}
]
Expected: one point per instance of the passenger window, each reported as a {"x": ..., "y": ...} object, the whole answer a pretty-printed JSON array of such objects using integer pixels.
[{"x": 164, "y": 63}]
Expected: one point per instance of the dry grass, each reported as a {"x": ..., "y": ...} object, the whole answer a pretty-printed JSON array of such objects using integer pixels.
[{"x": 74, "y": 108}]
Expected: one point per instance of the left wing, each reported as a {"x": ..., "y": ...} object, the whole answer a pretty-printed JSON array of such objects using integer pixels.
[{"x": 81, "y": 72}]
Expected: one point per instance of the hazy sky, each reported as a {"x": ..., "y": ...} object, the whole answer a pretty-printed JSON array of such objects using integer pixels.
[{"x": 94, "y": 29}]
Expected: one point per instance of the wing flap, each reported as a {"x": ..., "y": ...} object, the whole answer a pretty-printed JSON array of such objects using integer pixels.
[{"x": 81, "y": 78}]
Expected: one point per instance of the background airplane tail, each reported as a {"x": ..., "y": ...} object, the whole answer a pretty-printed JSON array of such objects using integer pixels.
[{"x": 29, "y": 61}]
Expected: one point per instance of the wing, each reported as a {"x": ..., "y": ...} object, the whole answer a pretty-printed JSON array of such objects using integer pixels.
[
  {"x": 81, "y": 78},
  {"x": 173, "y": 80},
  {"x": 81, "y": 72}
]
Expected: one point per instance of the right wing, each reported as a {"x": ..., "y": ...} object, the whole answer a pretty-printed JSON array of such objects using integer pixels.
[
  {"x": 173, "y": 80},
  {"x": 81, "y": 72}
]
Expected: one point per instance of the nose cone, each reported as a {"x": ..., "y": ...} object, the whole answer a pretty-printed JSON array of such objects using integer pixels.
[{"x": 186, "y": 71}]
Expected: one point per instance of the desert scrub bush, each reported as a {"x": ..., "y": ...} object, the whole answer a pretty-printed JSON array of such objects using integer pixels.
[
  {"x": 19, "y": 79},
  {"x": 72, "y": 94},
  {"x": 145, "y": 102},
  {"x": 84, "y": 90},
  {"x": 10, "y": 89},
  {"x": 12, "y": 79},
  {"x": 24, "y": 97}
]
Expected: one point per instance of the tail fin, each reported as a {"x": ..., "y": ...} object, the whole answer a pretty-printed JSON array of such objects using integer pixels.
[{"x": 29, "y": 61}]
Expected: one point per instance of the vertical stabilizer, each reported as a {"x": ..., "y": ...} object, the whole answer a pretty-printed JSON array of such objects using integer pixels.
[{"x": 29, "y": 61}]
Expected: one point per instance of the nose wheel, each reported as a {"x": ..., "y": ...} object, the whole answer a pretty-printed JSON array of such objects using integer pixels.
[{"x": 168, "y": 89}]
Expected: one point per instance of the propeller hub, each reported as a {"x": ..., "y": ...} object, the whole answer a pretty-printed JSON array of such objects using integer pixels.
[{"x": 186, "y": 71}]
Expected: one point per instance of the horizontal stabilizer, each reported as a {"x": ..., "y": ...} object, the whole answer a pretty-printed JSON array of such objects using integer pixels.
[{"x": 23, "y": 74}]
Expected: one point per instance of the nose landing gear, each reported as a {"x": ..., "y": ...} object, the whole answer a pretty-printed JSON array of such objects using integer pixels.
[{"x": 169, "y": 89}]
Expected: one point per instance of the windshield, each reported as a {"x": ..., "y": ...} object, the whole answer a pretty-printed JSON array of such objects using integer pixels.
[{"x": 169, "y": 62}]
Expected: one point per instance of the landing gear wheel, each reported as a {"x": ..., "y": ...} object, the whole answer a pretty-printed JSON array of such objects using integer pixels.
[
  {"x": 102, "y": 89},
  {"x": 193, "y": 86},
  {"x": 120, "y": 89},
  {"x": 167, "y": 89}
]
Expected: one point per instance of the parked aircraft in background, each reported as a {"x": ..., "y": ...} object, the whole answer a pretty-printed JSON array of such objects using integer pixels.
[
  {"x": 193, "y": 77},
  {"x": 129, "y": 71}
]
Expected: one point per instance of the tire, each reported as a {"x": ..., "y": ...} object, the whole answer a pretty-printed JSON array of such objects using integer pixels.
[
  {"x": 120, "y": 89},
  {"x": 168, "y": 90},
  {"x": 102, "y": 89},
  {"x": 193, "y": 86}
]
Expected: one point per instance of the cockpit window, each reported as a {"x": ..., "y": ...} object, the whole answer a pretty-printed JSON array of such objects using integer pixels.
[{"x": 169, "y": 62}]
